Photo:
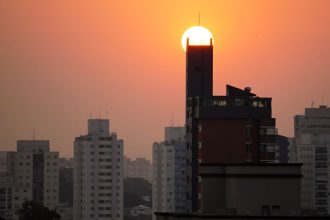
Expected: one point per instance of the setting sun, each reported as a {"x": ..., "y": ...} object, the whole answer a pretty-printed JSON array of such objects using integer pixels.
[{"x": 197, "y": 35}]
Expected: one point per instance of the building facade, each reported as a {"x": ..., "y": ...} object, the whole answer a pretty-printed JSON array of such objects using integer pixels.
[
  {"x": 37, "y": 176},
  {"x": 98, "y": 173},
  {"x": 169, "y": 190},
  {"x": 251, "y": 189},
  {"x": 311, "y": 147},
  {"x": 29, "y": 174},
  {"x": 7, "y": 178},
  {"x": 138, "y": 168}
]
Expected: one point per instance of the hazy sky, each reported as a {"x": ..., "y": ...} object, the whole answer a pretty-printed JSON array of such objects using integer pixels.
[{"x": 62, "y": 60}]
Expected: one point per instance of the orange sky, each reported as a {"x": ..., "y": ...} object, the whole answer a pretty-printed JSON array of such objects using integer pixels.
[{"x": 61, "y": 60}]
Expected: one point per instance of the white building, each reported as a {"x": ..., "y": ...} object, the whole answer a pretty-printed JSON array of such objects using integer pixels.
[
  {"x": 30, "y": 174},
  {"x": 98, "y": 173},
  {"x": 311, "y": 146},
  {"x": 138, "y": 168},
  {"x": 169, "y": 188}
]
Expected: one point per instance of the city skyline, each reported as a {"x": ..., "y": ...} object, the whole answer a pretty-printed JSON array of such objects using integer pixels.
[{"x": 62, "y": 61}]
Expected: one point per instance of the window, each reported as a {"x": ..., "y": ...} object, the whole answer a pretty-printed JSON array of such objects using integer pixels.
[
  {"x": 267, "y": 131},
  {"x": 198, "y": 69},
  {"x": 239, "y": 102},
  {"x": 199, "y": 145}
]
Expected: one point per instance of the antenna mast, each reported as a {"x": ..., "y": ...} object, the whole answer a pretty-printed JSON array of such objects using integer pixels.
[{"x": 322, "y": 98}]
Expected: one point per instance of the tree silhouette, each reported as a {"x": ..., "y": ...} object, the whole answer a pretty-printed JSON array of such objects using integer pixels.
[{"x": 34, "y": 211}]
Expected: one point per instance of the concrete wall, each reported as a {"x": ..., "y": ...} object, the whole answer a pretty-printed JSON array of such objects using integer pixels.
[{"x": 244, "y": 189}]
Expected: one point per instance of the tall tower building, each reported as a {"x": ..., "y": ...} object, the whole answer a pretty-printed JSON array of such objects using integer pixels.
[
  {"x": 98, "y": 173},
  {"x": 36, "y": 173},
  {"x": 234, "y": 128},
  {"x": 311, "y": 147},
  {"x": 169, "y": 189},
  {"x": 30, "y": 174}
]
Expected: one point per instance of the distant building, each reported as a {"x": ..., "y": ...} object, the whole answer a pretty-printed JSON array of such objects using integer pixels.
[
  {"x": 29, "y": 174},
  {"x": 282, "y": 149},
  {"x": 140, "y": 168},
  {"x": 65, "y": 163},
  {"x": 98, "y": 173},
  {"x": 169, "y": 190},
  {"x": 7, "y": 178},
  {"x": 311, "y": 146}
]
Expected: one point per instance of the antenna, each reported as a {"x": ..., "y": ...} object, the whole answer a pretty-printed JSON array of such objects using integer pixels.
[
  {"x": 106, "y": 114},
  {"x": 33, "y": 136},
  {"x": 199, "y": 19},
  {"x": 322, "y": 98}
]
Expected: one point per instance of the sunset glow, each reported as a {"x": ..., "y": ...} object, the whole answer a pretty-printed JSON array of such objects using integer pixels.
[{"x": 197, "y": 35}]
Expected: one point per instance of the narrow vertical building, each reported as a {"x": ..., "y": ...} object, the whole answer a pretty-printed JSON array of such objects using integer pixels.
[
  {"x": 169, "y": 190},
  {"x": 311, "y": 147},
  {"x": 98, "y": 173}
]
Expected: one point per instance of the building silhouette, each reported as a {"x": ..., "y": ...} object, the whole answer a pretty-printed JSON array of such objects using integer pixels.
[
  {"x": 234, "y": 128},
  {"x": 98, "y": 173}
]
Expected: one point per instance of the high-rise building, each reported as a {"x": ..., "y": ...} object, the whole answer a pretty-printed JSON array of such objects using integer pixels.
[
  {"x": 169, "y": 190},
  {"x": 65, "y": 163},
  {"x": 138, "y": 168},
  {"x": 98, "y": 173},
  {"x": 36, "y": 176},
  {"x": 311, "y": 147},
  {"x": 29, "y": 174},
  {"x": 7, "y": 177},
  {"x": 234, "y": 128}
]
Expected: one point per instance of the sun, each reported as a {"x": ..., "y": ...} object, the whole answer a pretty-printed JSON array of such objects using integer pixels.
[{"x": 197, "y": 35}]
